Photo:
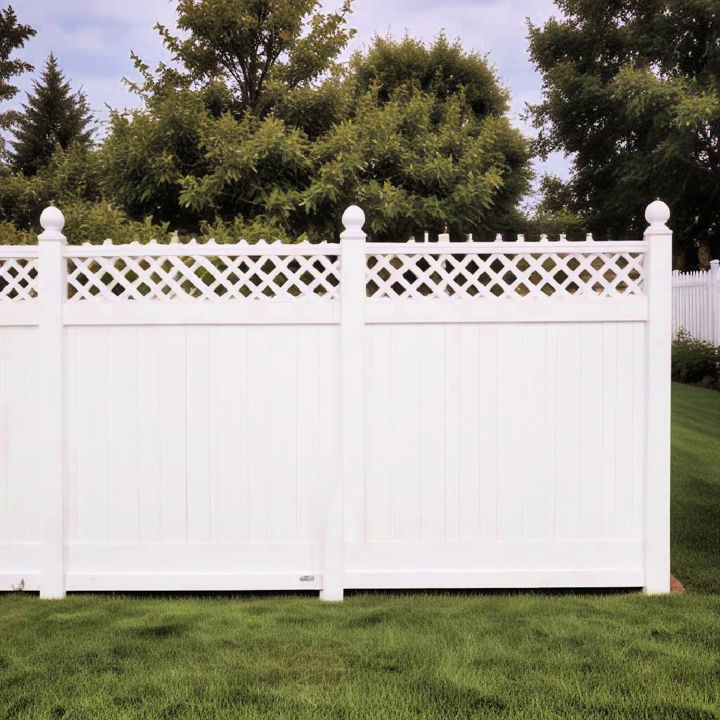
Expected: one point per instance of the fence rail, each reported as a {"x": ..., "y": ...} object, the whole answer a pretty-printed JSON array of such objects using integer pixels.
[
  {"x": 341, "y": 415},
  {"x": 696, "y": 303}
]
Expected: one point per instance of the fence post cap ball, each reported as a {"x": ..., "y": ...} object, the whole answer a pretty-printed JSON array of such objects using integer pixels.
[
  {"x": 657, "y": 213},
  {"x": 353, "y": 218},
  {"x": 52, "y": 219}
]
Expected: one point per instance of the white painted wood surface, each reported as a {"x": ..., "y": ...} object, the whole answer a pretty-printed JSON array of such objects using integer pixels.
[{"x": 432, "y": 414}]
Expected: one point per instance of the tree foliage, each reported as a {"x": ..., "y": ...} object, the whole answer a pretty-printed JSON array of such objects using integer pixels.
[
  {"x": 256, "y": 130},
  {"x": 53, "y": 117},
  {"x": 554, "y": 213},
  {"x": 420, "y": 150},
  {"x": 258, "y": 49},
  {"x": 13, "y": 36},
  {"x": 148, "y": 151},
  {"x": 443, "y": 70},
  {"x": 631, "y": 93},
  {"x": 418, "y": 164}
]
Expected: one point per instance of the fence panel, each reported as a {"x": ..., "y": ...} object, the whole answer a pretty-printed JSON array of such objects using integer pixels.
[
  {"x": 696, "y": 303},
  {"x": 332, "y": 416}
]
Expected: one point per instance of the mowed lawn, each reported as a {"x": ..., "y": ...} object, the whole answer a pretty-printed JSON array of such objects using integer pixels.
[{"x": 493, "y": 655}]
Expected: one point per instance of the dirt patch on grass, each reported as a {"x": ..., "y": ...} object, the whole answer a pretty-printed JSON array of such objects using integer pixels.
[{"x": 676, "y": 587}]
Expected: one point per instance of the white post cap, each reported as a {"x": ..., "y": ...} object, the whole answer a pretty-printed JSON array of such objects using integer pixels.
[
  {"x": 52, "y": 222},
  {"x": 353, "y": 220},
  {"x": 657, "y": 213}
]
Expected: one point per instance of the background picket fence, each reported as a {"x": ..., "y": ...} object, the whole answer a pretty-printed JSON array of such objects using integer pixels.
[
  {"x": 696, "y": 303},
  {"x": 335, "y": 415}
]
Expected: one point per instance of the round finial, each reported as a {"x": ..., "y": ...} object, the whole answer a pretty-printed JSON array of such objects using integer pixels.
[
  {"x": 52, "y": 219},
  {"x": 657, "y": 213},
  {"x": 353, "y": 218}
]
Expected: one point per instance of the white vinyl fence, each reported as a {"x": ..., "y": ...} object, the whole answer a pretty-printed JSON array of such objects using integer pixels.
[
  {"x": 696, "y": 303},
  {"x": 335, "y": 416}
]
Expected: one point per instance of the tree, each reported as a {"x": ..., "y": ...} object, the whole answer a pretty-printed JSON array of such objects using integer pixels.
[
  {"x": 52, "y": 117},
  {"x": 12, "y": 37},
  {"x": 258, "y": 49},
  {"x": 444, "y": 70},
  {"x": 421, "y": 149},
  {"x": 149, "y": 150},
  {"x": 555, "y": 212},
  {"x": 417, "y": 166},
  {"x": 413, "y": 150},
  {"x": 631, "y": 94},
  {"x": 427, "y": 144}
]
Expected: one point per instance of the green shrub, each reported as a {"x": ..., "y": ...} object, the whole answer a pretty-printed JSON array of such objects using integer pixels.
[
  {"x": 10, "y": 235},
  {"x": 95, "y": 221},
  {"x": 695, "y": 361}
]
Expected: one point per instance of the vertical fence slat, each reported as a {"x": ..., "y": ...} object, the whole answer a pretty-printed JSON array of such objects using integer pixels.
[
  {"x": 283, "y": 439},
  {"x": 122, "y": 436},
  {"x": 307, "y": 427},
  {"x": 173, "y": 436},
  {"x": 487, "y": 439},
  {"x": 197, "y": 432},
  {"x": 379, "y": 436},
  {"x": 452, "y": 433},
  {"x": 148, "y": 432},
  {"x": 259, "y": 387},
  {"x": 469, "y": 428},
  {"x": 431, "y": 433}
]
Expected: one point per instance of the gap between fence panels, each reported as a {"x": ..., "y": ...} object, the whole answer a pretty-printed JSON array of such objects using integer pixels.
[{"x": 375, "y": 389}]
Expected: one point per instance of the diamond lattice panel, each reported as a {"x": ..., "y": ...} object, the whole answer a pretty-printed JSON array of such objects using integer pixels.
[
  {"x": 529, "y": 275},
  {"x": 195, "y": 277},
  {"x": 18, "y": 278}
]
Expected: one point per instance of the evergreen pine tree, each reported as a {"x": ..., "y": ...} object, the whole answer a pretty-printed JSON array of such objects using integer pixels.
[
  {"x": 12, "y": 37},
  {"x": 53, "y": 116}
]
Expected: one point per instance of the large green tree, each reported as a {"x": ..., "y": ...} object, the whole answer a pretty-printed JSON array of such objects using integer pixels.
[
  {"x": 257, "y": 50},
  {"x": 427, "y": 144},
  {"x": 251, "y": 81},
  {"x": 420, "y": 150},
  {"x": 53, "y": 117},
  {"x": 418, "y": 135},
  {"x": 632, "y": 94},
  {"x": 13, "y": 36}
]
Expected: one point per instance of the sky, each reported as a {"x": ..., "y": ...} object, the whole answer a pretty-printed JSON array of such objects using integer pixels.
[{"x": 92, "y": 40}]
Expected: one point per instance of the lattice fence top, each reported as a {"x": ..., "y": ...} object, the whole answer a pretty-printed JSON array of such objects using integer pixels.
[
  {"x": 18, "y": 273},
  {"x": 305, "y": 271},
  {"x": 204, "y": 272},
  {"x": 528, "y": 270}
]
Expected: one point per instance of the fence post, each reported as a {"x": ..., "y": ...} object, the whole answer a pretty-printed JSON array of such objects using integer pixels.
[
  {"x": 658, "y": 284},
  {"x": 352, "y": 321},
  {"x": 676, "y": 302},
  {"x": 50, "y": 455},
  {"x": 715, "y": 300}
]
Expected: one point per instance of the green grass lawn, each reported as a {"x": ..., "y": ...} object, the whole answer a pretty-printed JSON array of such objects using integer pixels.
[
  {"x": 518, "y": 655},
  {"x": 696, "y": 488}
]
